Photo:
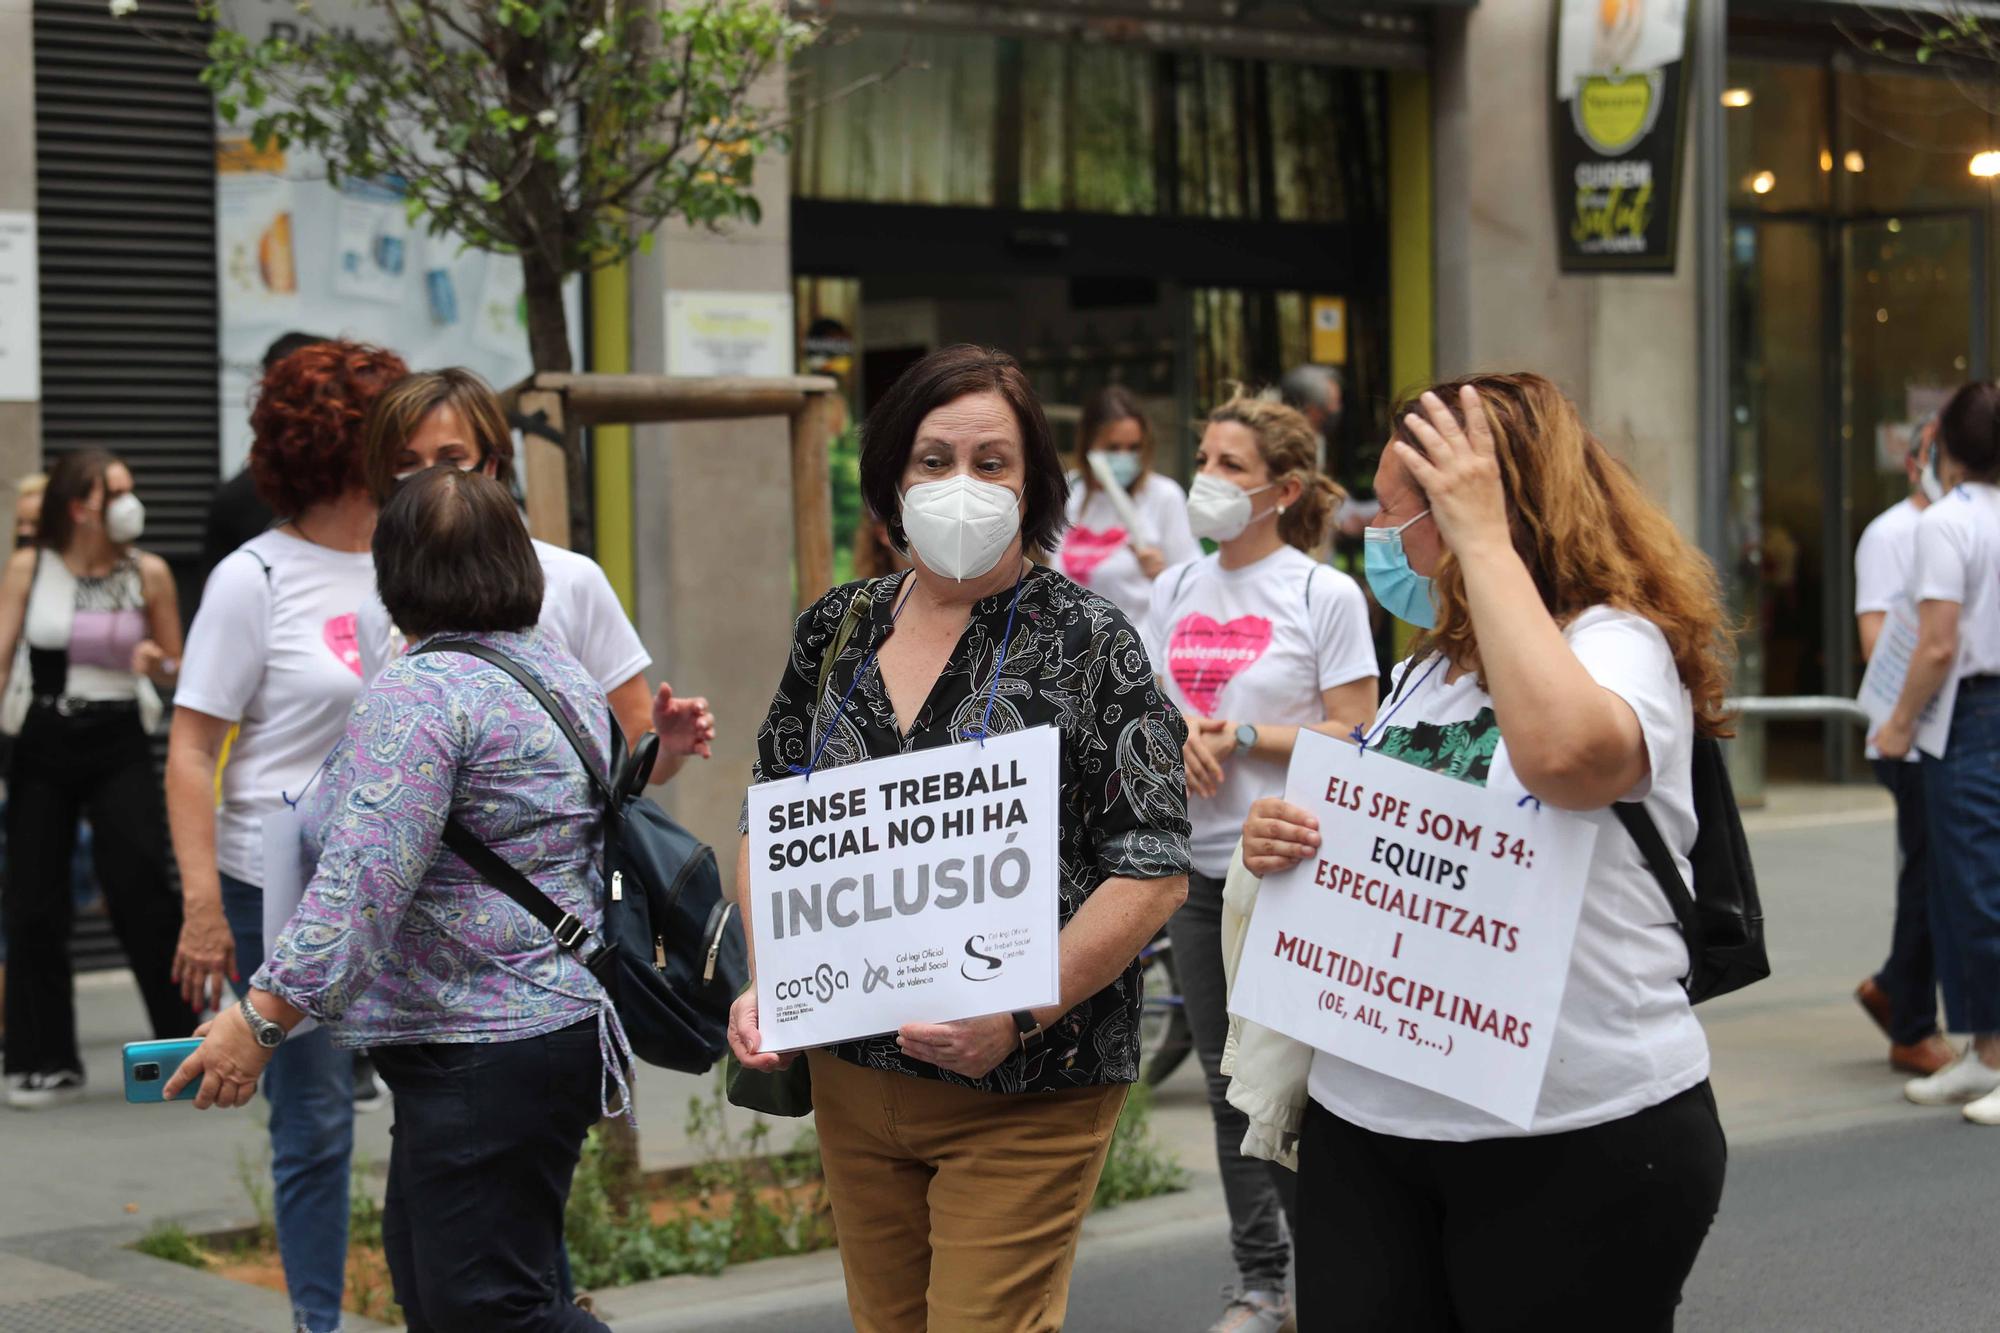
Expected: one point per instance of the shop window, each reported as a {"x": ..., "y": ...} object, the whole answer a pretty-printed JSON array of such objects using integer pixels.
[
  {"x": 1907, "y": 142},
  {"x": 1780, "y": 158},
  {"x": 1220, "y": 152},
  {"x": 1088, "y": 129},
  {"x": 924, "y": 135}
]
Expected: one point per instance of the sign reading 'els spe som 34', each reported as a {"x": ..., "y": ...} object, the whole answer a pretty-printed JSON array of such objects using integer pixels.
[
  {"x": 1429, "y": 939},
  {"x": 921, "y": 888}
]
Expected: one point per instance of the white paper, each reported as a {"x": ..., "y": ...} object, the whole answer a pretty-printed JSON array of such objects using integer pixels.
[
  {"x": 920, "y": 888},
  {"x": 1430, "y": 938},
  {"x": 20, "y": 309},
  {"x": 256, "y": 259},
  {"x": 287, "y": 870},
  {"x": 1128, "y": 513},
  {"x": 729, "y": 333},
  {"x": 1889, "y": 667},
  {"x": 372, "y": 238}
]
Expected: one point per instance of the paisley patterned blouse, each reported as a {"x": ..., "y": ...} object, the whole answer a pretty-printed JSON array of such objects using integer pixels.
[
  {"x": 397, "y": 940},
  {"x": 1074, "y": 662}
]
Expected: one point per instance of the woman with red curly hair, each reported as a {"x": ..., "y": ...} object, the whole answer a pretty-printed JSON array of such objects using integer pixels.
[
  {"x": 1573, "y": 649},
  {"x": 272, "y": 652}
]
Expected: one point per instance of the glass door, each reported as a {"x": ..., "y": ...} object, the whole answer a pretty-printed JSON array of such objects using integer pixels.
[{"x": 1911, "y": 332}]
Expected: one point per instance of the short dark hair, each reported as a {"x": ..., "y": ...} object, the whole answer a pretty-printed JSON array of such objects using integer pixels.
[
  {"x": 286, "y": 343},
  {"x": 72, "y": 478},
  {"x": 1969, "y": 429},
  {"x": 453, "y": 555},
  {"x": 945, "y": 376}
]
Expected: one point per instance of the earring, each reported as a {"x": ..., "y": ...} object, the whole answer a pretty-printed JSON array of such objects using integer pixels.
[{"x": 1281, "y": 511}]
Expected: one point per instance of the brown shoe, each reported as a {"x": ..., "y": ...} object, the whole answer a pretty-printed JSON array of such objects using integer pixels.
[
  {"x": 1876, "y": 1001},
  {"x": 1922, "y": 1058}
]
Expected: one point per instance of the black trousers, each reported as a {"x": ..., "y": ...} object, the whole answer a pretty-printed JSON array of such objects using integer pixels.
[
  {"x": 484, "y": 1145},
  {"x": 1595, "y": 1228},
  {"x": 95, "y": 763},
  {"x": 1909, "y": 977}
]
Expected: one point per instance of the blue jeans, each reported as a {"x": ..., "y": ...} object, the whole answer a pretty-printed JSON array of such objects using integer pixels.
[
  {"x": 1962, "y": 793},
  {"x": 310, "y": 1086},
  {"x": 1909, "y": 977}
]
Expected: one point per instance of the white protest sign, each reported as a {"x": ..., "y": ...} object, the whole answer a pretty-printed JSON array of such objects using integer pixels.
[
  {"x": 920, "y": 888},
  {"x": 1430, "y": 938},
  {"x": 1889, "y": 667},
  {"x": 288, "y": 868}
]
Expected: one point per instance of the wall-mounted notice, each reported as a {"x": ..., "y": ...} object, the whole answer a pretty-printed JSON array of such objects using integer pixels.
[
  {"x": 20, "y": 310},
  {"x": 729, "y": 333}
]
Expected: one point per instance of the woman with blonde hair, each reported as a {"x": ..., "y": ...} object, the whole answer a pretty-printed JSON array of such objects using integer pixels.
[
  {"x": 1574, "y": 647},
  {"x": 1252, "y": 643}
]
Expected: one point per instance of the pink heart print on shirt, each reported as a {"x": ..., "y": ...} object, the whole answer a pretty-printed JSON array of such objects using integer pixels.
[
  {"x": 1204, "y": 655},
  {"x": 343, "y": 640},
  {"x": 1084, "y": 549}
]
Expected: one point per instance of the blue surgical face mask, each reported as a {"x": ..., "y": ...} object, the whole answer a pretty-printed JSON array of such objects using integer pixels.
[
  {"x": 1124, "y": 467},
  {"x": 1403, "y": 593}
]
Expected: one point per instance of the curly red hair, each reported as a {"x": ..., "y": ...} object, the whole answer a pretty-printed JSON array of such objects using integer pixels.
[{"x": 306, "y": 426}]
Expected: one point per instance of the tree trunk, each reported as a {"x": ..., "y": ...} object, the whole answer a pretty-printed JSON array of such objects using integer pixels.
[{"x": 548, "y": 344}]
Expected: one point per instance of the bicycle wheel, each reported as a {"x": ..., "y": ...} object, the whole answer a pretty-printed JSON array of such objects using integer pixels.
[{"x": 1164, "y": 1039}]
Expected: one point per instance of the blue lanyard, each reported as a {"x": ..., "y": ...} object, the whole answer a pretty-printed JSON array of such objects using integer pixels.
[
  {"x": 985, "y": 717},
  {"x": 1364, "y": 739}
]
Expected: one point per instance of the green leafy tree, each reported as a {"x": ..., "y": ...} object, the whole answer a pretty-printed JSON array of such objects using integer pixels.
[{"x": 558, "y": 131}]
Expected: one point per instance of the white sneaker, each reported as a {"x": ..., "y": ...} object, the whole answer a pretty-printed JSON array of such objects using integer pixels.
[
  {"x": 1255, "y": 1312},
  {"x": 32, "y": 1092},
  {"x": 1985, "y": 1111},
  {"x": 1967, "y": 1078}
]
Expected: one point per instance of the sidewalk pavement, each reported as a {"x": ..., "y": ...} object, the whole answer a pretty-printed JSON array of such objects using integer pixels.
[{"x": 1792, "y": 1056}]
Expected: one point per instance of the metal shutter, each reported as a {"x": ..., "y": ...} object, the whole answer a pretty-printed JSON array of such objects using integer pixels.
[
  {"x": 125, "y": 168},
  {"x": 125, "y": 171}
]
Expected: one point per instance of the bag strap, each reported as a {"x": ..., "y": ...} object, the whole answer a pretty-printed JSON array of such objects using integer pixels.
[
  {"x": 857, "y": 607},
  {"x": 526, "y": 680},
  {"x": 1638, "y": 822},
  {"x": 570, "y": 932}
]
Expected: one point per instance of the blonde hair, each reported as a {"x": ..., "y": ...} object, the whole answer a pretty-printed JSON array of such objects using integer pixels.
[
  {"x": 1290, "y": 448},
  {"x": 1588, "y": 535},
  {"x": 32, "y": 484}
]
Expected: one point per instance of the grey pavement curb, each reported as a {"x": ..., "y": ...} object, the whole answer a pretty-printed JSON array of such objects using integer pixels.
[
  {"x": 99, "y": 1262},
  {"x": 774, "y": 1288}
]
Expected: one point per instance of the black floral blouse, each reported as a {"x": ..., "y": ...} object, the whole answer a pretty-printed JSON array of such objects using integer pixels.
[{"x": 1075, "y": 663}]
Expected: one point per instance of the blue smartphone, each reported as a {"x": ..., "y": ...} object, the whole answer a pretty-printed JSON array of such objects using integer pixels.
[{"x": 149, "y": 1064}]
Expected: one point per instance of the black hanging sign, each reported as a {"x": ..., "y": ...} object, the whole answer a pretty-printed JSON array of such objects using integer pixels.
[{"x": 1619, "y": 118}]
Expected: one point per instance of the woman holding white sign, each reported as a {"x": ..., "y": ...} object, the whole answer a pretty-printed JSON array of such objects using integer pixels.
[
  {"x": 961, "y": 1156},
  {"x": 1956, "y": 584},
  {"x": 1574, "y": 647},
  {"x": 1119, "y": 540},
  {"x": 1252, "y": 643}
]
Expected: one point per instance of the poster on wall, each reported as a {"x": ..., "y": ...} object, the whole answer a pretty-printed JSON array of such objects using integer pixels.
[
  {"x": 372, "y": 242},
  {"x": 1618, "y": 122},
  {"x": 20, "y": 309},
  {"x": 729, "y": 333}
]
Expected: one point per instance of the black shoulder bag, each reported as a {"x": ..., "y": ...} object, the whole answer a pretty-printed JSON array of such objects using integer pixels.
[
  {"x": 1723, "y": 919},
  {"x": 669, "y": 950}
]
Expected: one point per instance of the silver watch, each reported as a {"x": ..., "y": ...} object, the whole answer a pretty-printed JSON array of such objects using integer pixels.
[
  {"x": 1246, "y": 738},
  {"x": 268, "y": 1034}
]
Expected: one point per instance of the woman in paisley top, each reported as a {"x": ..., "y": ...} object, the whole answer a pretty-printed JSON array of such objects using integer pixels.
[
  {"x": 961, "y": 1156},
  {"x": 497, "y": 1043}
]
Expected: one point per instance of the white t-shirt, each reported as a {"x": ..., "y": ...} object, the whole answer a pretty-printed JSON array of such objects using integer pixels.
[
  {"x": 1626, "y": 1038},
  {"x": 1882, "y": 558},
  {"x": 1256, "y": 644},
  {"x": 579, "y": 610},
  {"x": 278, "y": 655},
  {"x": 1095, "y": 549},
  {"x": 1958, "y": 560}
]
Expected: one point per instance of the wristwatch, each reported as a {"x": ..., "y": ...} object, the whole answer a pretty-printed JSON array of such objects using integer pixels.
[
  {"x": 1246, "y": 737},
  {"x": 268, "y": 1034},
  {"x": 1030, "y": 1029}
]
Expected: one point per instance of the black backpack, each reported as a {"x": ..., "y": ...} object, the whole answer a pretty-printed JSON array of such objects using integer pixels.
[
  {"x": 670, "y": 949},
  {"x": 1722, "y": 920}
]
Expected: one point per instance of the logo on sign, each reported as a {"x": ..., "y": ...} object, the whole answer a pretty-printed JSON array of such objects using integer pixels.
[
  {"x": 872, "y": 976},
  {"x": 978, "y": 965},
  {"x": 824, "y": 983}
]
